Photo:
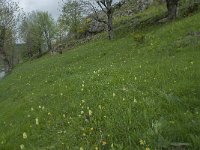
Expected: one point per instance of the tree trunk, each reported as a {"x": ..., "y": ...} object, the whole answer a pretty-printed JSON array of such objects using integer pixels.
[
  {"x": 172, "y": 6},
  {"x": 7, "y": 64},
  {"x": 110, "y": 25}
]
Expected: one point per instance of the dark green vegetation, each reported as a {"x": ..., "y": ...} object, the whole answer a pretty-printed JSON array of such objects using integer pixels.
[{"x": 138, "y": 91}]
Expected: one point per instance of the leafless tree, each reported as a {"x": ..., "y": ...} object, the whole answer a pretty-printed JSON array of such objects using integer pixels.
[{"x": 107, "y": 7}]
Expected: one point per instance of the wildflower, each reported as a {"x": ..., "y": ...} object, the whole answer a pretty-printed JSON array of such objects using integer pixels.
[
  {"x": 90, "y": 113},
  {"x": 32, "y": 109},
  {"x": 25, "y": 135},
  {"x": 147, "y": 148},
  {"x": 84, "y": 134},
  {"x": 49, "y": 113},
  {"x": 22, "y": 146},
  {"x": 61, "y": 94},
  {"x": 96, "y": 148},
  {"x": 124, "y": 99},
  {"x": 91, "y": 129},
  {"x": 37, "y": 121},
  {"x": 64, "y": 116},
  {"x": 135, "y": 101},
  {"x": 82, "y": 112},
  {"x": 82, "y": 89},
  {"x": 114, "y": 94},
  {"x": 104, "y": 143},
  {"x": 142, "y": 142},
  {"x": 39, "y": 107},
  {"x": 192, "y": 62},
  {"x": 83, "y": 101},
  {"x": 100, "y": 107},
  {"x": 83, "y": 85},
  {"x": 28, "y": 116},
  {"x": 135, "y": 78},
  {"x": 81, "y": 148},
  {"x": 42, "y": 107}
]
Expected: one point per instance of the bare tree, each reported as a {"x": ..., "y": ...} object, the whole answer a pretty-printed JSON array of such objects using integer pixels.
[{"x": 107, "y": 7}]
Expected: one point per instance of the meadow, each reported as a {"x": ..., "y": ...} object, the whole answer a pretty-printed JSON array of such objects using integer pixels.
[{"x": 124, "y": 94}]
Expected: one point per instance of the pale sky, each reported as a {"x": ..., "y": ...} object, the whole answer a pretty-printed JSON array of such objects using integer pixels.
[{"x": 52, "y": 6}]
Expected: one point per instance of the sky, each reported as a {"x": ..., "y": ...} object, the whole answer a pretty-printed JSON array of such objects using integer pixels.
[{"x": 52, "y": 6}]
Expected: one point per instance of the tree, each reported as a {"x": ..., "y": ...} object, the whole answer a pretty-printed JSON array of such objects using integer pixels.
[
  {"x": 107, "y": 7},
  {"x": 8, "y": 19},
  {"x": 38, "y": 31},
  {"x": 72, "y": 15},
  {"x": 31, "y": 34},
  {"x": 172, "y": 6},
  {"x": 47, "y": 27}
]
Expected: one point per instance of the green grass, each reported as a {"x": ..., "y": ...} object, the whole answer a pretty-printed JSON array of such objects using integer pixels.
[{"x": 137, "y": 92}]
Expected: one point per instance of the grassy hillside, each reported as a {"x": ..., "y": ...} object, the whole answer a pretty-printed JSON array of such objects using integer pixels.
[{"x": 121, "y": 94}]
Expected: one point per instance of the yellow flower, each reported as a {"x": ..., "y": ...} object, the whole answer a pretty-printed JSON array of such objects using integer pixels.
[
  {"x": 104, "y": 143},
  {"x": 81, "y": 148},
  {"x": 90, "y": 113},
  {"x": 22, "y": 146},
  {"x": 25, "y": 135},
  {"x": 147, "y": 148},
  {"x": 37, "y": 121},
  {"x": 114, "y": 94},
  {"x": 142, "y": 142}
]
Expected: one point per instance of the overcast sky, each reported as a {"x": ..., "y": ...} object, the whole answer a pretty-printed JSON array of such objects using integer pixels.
[{"x": 52, "y": 6}]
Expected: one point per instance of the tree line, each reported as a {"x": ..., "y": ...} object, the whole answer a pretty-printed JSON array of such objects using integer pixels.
[{"x": 39, "y": 33}]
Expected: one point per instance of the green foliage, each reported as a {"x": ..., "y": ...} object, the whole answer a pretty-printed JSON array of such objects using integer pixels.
[
  {"x": 108, "y": 94},
  {"x": 38, "y": 30},
  {"x": 72, "y": 15}
]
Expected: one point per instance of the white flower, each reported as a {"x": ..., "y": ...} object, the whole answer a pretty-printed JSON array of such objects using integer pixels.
[
  {"x": 32, "y": 109},
  {"x": 82, "y": 112},
  {"x": 25, "y": 135},
  {"x": 37, "y": 121},
  {"x": 40, "y": 107}
]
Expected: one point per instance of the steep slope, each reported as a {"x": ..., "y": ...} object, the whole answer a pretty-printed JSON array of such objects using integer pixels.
[{"x": 119, "y": 94}]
